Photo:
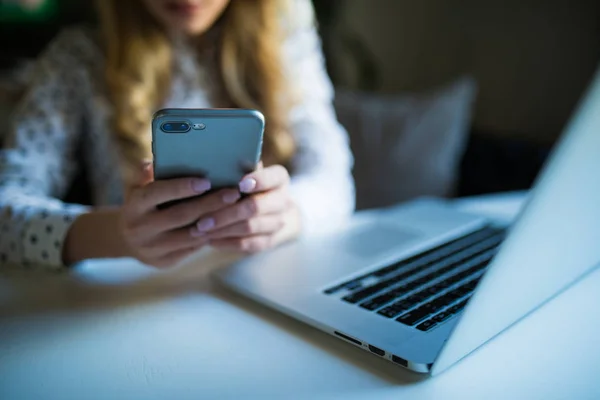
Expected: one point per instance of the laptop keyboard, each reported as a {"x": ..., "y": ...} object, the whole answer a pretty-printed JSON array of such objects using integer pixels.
[{"x": 429, "y": 288}]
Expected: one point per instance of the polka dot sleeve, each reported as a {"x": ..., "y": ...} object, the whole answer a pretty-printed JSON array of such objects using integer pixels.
[{"x": 38, "y": 163}]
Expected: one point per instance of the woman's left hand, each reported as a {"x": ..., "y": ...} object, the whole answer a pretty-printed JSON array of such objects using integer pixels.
[{"x": 263, "y": 219}]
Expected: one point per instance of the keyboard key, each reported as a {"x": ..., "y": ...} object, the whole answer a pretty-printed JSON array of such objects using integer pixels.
[
  {"x": 393, "y": 294},
  {"x": 397, "y": 292},
  {"x": 440, "y": 252},
  {"x": 431, "y": 307},
  {"x": 388, "y": 297},
  {"x": 464, "y": 290},
  {"x": 445, "y": 284},
  {"x": 455, "y": 294},
  {"x": 390, "y": 312},
  {"x": 395, "y": 309},
  {"x": 371, "y": 305},
  {"x": 444, "y": 315},
  {"x": 454, "y": 262},
  {"x": 390, "y": 269},
  {"x": 381, "y": 300},
  {"x": 478, "y": 240},
  {"x": 479, "y": 262},
  {"x": 426, "y": 325},
  {"x": 427, "y": 309},
  {"x": 414, "y": 316},
  {"x": 441, "y": 302},
  {"x": 458, "y": 306},
  {"x": 427, "y": 293},
  {"x": 435, "y": 289},
  {"x": 455, "y": 309},
  {"x": 364, "y": 293},
  {"x": 473, "y": 283},
  {"x": 414, "y": 299},
  {"x": 350, "y": 285},
  {"x": 334, "y": 289},
  {"x": 419, "y": 282},
  {"x": 378, "y": 287}
]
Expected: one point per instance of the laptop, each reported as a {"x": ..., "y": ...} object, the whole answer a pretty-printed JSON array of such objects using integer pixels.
[{"x": 422, "y": 285}]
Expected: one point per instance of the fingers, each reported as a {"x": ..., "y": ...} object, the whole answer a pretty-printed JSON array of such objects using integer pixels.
[
  {"x": 163, "y": 237},
  {"x": 146, "y": 198},
  {"x": 170, "y": 242},
  {"x": 265, "y": 179},
  {"x": 260, "y": 204},
  {"x": 261, "y": 225},
  {"x": 188, "y": 212}
]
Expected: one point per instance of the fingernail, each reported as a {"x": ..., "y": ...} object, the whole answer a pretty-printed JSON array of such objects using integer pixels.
[
  {"x": 231, "y": 197},
  {"x": 205, "y": 224},
  {"x": 194, "y": 232},
  {"x": 200, "y": 185},
  {"x": 146, "y": 165},
  {"x": 247, "y": 185}
]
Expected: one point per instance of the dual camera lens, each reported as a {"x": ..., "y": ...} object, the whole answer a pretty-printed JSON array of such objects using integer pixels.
[
  {"x": 180, "y": 126},
  {"x": 175, "y": 127}
]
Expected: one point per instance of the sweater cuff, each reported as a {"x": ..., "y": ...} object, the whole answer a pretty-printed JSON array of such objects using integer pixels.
[{"x": 44, "y": 235}]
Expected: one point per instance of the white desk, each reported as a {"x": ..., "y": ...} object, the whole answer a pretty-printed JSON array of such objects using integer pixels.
[{"x": 111, "y": 331}]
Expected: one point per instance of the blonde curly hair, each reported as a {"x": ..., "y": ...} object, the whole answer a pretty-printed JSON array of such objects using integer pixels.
[{"x": 246, "y": 61}]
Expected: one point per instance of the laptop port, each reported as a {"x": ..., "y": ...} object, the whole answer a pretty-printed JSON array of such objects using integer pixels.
[
  {"x": 377, "y": 350},
  {"x": 400, "y": 361},
  {"x": 348, "y": 338}
]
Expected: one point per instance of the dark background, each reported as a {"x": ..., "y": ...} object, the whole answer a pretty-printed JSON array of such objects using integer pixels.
[{"x": 532, "y": 60}]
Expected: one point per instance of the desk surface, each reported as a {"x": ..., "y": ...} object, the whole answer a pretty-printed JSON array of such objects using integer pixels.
[{"x": 115, "y": 329}]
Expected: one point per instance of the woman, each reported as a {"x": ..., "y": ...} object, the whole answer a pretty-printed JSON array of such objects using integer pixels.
[{"x": 98, "y": 90}]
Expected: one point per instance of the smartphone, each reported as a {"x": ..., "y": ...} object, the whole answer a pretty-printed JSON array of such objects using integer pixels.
[{"x": 221, "y": 145}]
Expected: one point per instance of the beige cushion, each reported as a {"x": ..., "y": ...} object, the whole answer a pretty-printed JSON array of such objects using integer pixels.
[{"x": 406, "y": 146}]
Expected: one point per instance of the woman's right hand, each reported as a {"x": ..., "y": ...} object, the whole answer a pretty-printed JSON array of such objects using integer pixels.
[{"x": 163, "y": 237}]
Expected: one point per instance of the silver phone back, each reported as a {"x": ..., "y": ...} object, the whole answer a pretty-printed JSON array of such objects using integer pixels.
[{"x": 227, "y": 147}]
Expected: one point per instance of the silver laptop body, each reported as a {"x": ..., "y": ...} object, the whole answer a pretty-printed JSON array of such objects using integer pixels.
[{"x": 423, "y": 285}]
